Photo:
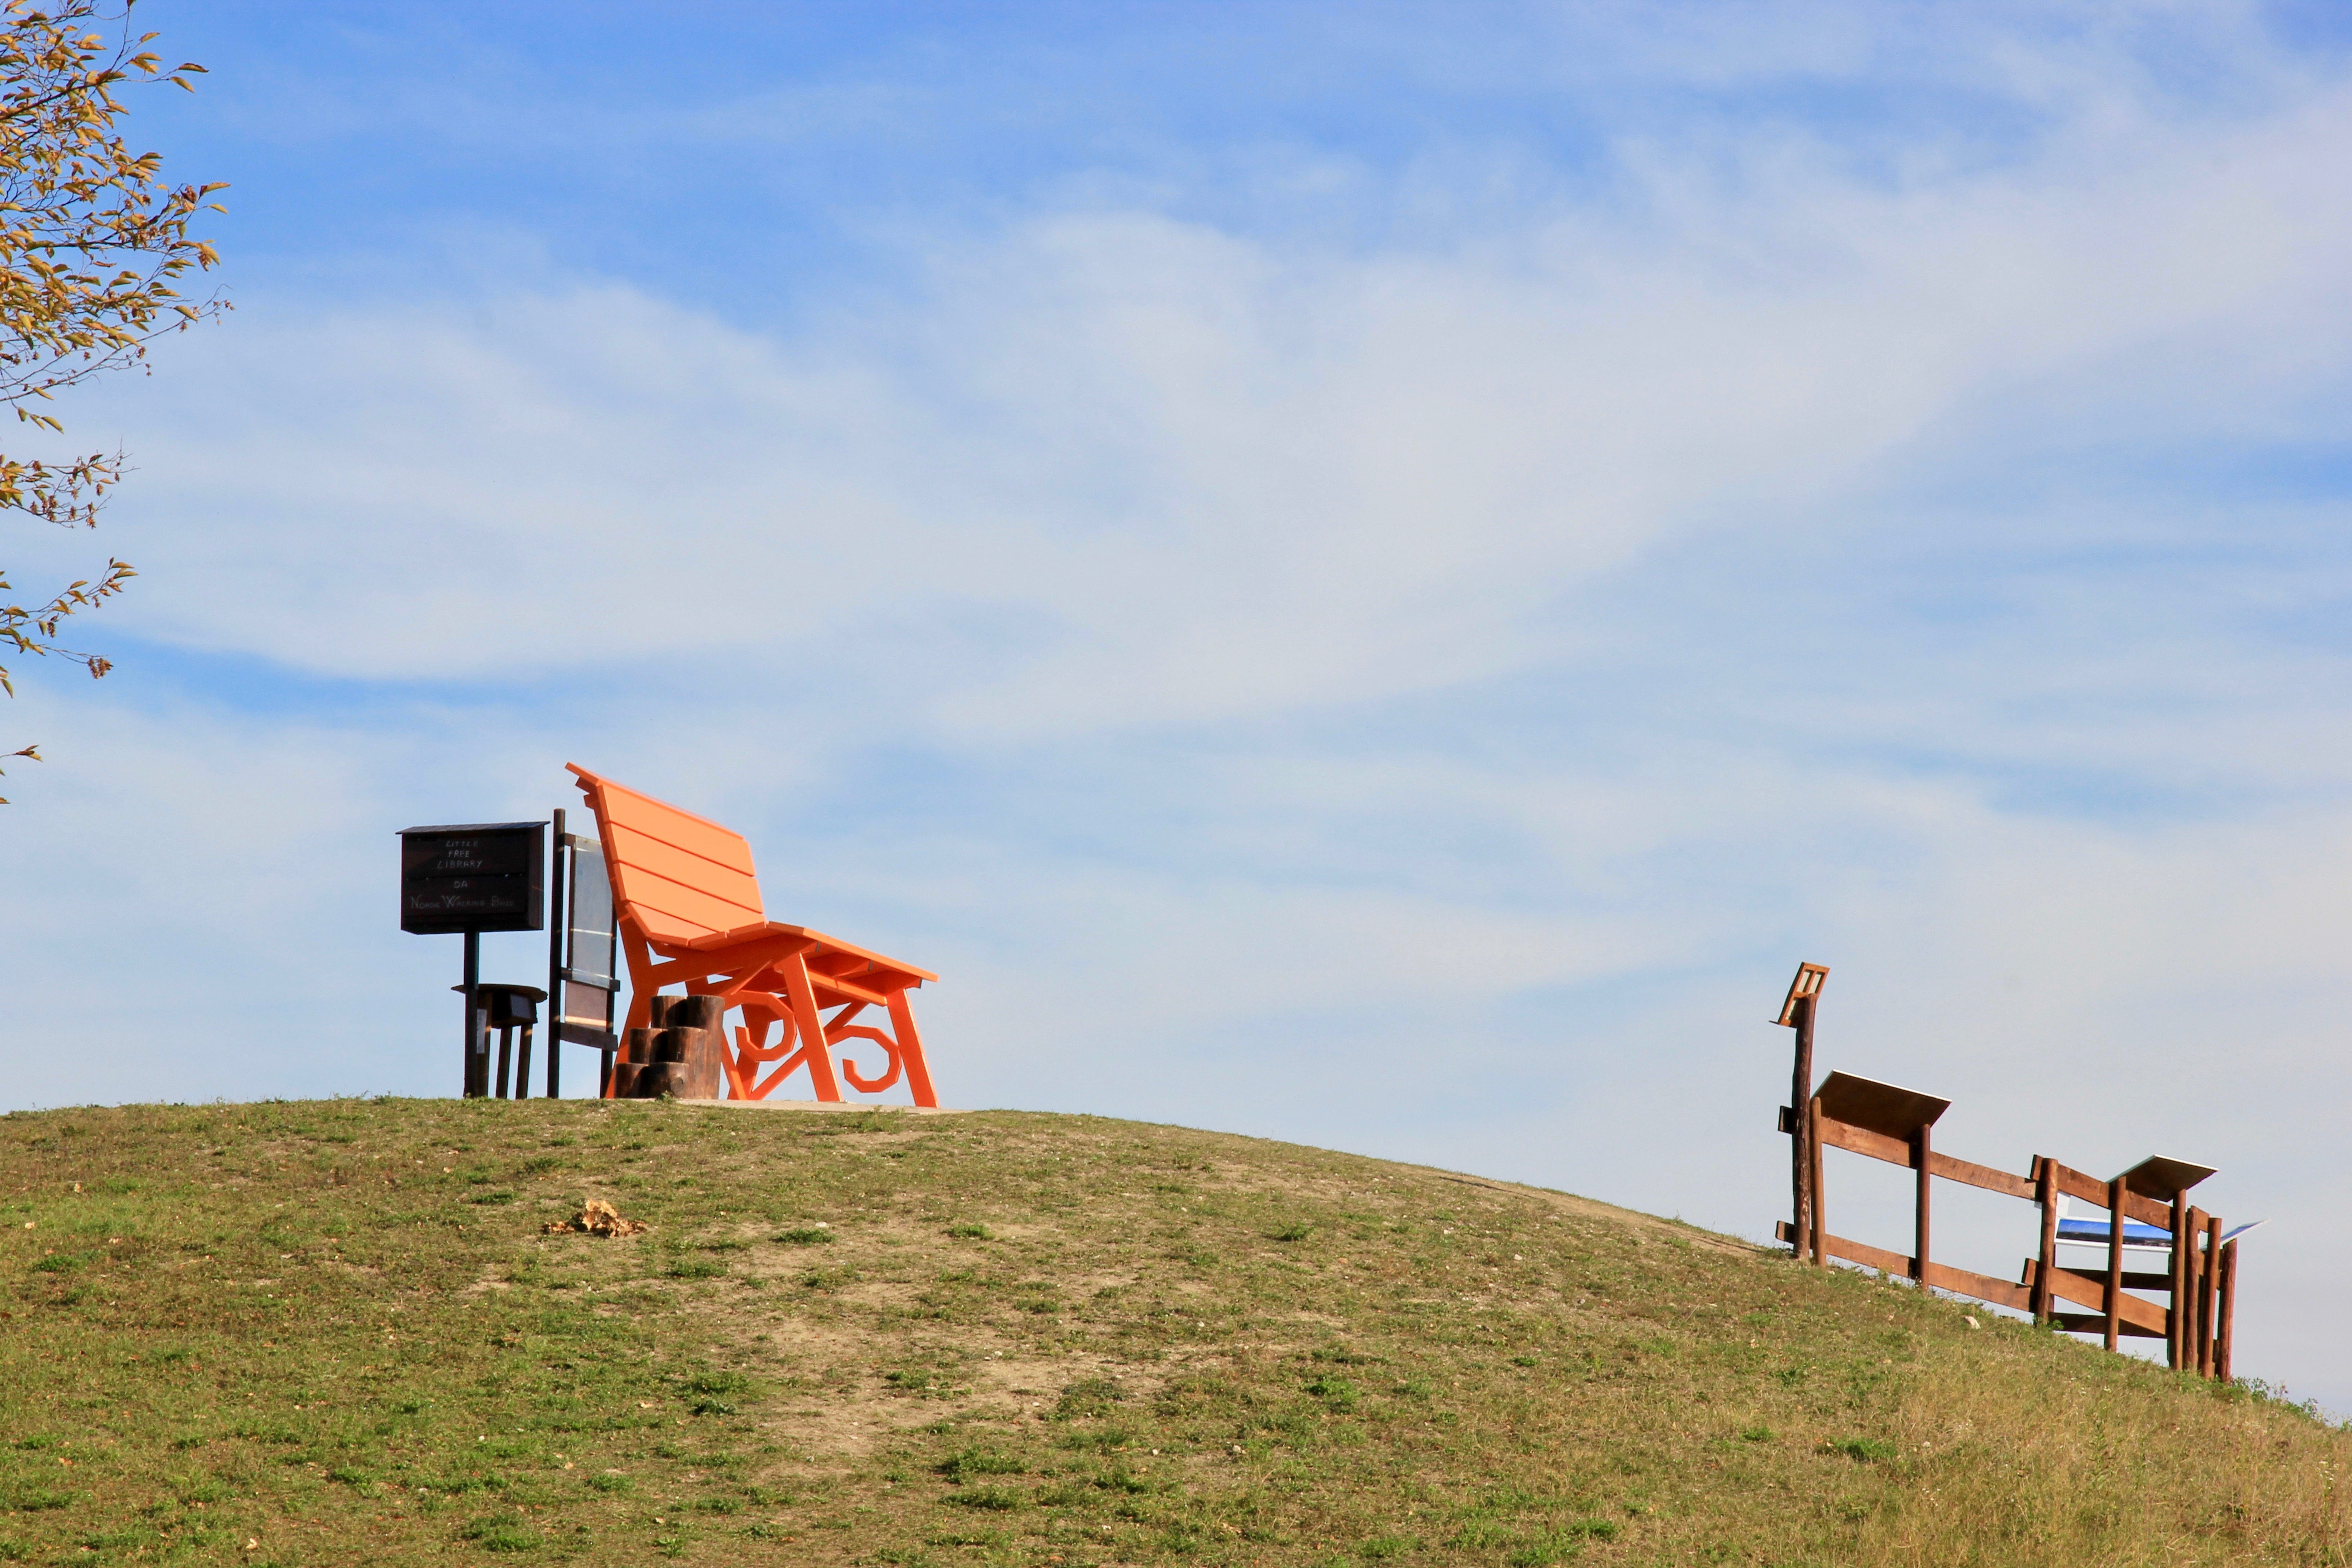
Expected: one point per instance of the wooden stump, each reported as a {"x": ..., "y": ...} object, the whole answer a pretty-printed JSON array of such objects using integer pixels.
[
  {"x": 704, "y": 1068},
  {"x": 685, "y": 1034},
  {"x": 705, "y": 1016},
  {"x": 636, "y": 1053},
  {"x": 697, "y": 1053},
  {"x": 658, "y": 1079},
  {"x": 688, "y": 1034}
]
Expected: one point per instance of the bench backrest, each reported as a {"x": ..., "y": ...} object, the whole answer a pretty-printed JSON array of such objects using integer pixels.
[{"x": 678, "y": 875}]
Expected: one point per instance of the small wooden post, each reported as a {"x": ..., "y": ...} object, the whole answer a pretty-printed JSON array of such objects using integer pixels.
[
  {"x": 1919, "y": 1147},
  {"x": 1813, "y": 1182},
  {"x": 2207, "y": 1270},
  {"x": 522, "y": 1064},
  {"x": 2115, "y": 1262},
  {"x": 2177, "y": 1315},
  {"x": 2228, "y": 1312},
  {"x": 558, "y": 889},
  {"x": 506, "y": 1055},
  {"x": 2045, "y": 1192},
  {"x": 474, "y": 1059}
]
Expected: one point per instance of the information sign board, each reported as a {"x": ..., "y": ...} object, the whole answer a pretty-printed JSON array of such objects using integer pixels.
[{"x": 472, "y": 877}]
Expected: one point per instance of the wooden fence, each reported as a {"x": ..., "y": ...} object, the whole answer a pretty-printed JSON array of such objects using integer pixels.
[{"x": 1896, "y": 1125}]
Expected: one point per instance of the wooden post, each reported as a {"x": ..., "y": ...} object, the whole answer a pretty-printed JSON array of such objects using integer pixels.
[
  {"x": 2176, "y": 1313},
  {"x": 2045, "y": 1192},
  {"x": 2228, "y": 1312},
  {"x": 2115, "y": 1262},
  {"x": 1919, "y": 1141},
  {"x": 559, "y": 934},
  {"x": 506, "y": 1055},
  {"x": 1812, "y": 1125},
  {"x": 2207, "y": 1269},
  {"x": 473, "y": 1058},
  {"x": 522, "y": 1065},
  {"x": 1804, "y": 1157}
]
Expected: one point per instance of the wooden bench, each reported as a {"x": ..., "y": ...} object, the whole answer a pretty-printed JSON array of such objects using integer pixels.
[{"x": 687, "y": 903}]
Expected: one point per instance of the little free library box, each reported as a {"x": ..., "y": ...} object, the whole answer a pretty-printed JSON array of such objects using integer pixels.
[{"x": 482, "y": 876}]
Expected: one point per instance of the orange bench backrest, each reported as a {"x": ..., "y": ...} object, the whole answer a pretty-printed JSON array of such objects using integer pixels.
[{"x": 680, "y": 876}]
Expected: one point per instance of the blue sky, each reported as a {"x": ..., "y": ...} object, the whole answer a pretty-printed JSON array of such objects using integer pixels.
[{"x": 1372, "y": 574}]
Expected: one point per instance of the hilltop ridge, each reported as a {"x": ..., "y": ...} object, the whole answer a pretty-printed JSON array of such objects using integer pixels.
[{"x": 335, "y": 1331}]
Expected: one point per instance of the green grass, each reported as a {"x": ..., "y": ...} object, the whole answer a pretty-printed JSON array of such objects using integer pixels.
[{"x": 330, "y": 1334}]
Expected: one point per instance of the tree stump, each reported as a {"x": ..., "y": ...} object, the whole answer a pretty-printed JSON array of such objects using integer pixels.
[
  {"x": 658, "y": 1079},
  {"x": 636, "y": 1054},
  {"x": 703, "y": 1066},
  {"x": 685, "y": 1034},
  {"x": 703, "y": 1016}
]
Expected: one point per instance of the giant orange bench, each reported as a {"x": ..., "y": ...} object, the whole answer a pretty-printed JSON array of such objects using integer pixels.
[{"x": 687, "y": 902}]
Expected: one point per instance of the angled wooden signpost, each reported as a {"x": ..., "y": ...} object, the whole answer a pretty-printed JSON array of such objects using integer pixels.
[
  {"x": 1797, "y": 1013},
  {"x": 2145, "y": 1209}
]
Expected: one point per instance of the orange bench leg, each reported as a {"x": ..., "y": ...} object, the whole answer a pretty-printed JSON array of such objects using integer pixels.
[
  {"x": 811, "y": 1025},
  {"x": 642, "y": 986},
  {"x": 910, "y": 1050}
]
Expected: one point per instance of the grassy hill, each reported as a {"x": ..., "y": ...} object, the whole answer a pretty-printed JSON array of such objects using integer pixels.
[{"x": 335, "y": 1332}]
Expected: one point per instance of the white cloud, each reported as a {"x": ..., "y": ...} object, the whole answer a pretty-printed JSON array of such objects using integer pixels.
[{"x": 1114, "y": 467}]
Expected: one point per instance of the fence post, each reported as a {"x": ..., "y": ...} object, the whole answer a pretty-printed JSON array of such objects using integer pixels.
[
  {"x": 2115, "y": 1262},
  {"x": 1919, "y": 1150},
  {"x": 2045, "y": 1192},
  {"x": 2208, "y": 1267},
  {"x": 2178, "y": 1316},
  {"x": 2229, "y": 1312},
  {"x": 1813, "y": 1149}
]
